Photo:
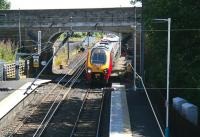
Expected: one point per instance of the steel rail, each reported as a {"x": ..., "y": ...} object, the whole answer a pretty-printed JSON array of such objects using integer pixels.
[
  {"x": 45, "y": 121},
  {"x": 101, "y": 109},
  {"x": 82, "y": 108},
  {"x": 79, "y": 113},
  {"x": 73, "y": 81},
  {"x": 23, "y": 121}
]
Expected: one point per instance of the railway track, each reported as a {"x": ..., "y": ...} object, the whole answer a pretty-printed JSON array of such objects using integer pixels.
[
  {"x": 60, "y": 110},
  {"x": 41, "y": 98},
  {"x": 89, "y": 117},
  {"x": 37, "y": 116},
  {"x": 30, "y": 124},
  {"x": 79, "y": 115}
]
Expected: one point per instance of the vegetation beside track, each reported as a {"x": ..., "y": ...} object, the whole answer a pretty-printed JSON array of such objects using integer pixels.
[
  {"x": 185, "y": 57},
  {"x": 4, "y": 4},
  {"x": 62, "y": 56},
  {"x": 7, "y": 52}
]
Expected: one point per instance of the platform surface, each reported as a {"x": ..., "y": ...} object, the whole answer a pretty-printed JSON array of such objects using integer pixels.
[
  {"x": 8, "y": 87},
  {"x": 10, "y": 101},
  {"x": 142, "y": 120},
  {"x": 119, "y": 115}
]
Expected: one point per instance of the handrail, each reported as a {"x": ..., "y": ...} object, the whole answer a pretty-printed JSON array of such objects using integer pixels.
[{"x": 152, "y": 108}]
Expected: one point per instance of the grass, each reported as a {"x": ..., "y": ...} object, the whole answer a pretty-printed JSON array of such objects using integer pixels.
[
  {"x": 61, "y": 58},
  {"x": 75, "y": 39},
  {"x": 7, "y": 52}
]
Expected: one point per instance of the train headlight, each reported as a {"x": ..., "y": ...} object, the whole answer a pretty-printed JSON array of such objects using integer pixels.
[
  {"x": 89, "y": 70},
  {"x": 105, "y": 71}
]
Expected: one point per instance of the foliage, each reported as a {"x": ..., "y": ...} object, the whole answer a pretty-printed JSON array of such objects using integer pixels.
[
  {"x": 62, "y": 55},
  {"x": 133, "y": 2},
  {"x": 185, "y": 43},
  {"x": 58, "y": 60},
  {"x": 79, "y": 34},
  {"x": 6, "y": 52},
  {"x": 98, "y": 35},
  {"x": 4, "y": 4}
]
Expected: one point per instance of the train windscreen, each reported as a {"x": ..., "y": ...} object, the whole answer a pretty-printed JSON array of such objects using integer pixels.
[{"x": 98, "y": 56}]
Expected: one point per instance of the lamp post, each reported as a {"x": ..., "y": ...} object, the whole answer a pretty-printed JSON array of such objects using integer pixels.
[
  {"x": 71, "y": 23},
  {"x": 135, "y": 37},
  {"x": 19, "y": 26},
  {"x": 88, "y": 38},
  {"x": 168, "y": 70},
  {"x": 135, "y": 44}
]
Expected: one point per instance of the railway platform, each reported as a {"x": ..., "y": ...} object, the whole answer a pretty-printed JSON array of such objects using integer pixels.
[
  {"x": 8, "y": 87},
  {"x": 142, "y": 120},
  {"x": 131, "y": 115},
  {"x": 119, "y": 116},
  {"x": 12, "y": 93}
]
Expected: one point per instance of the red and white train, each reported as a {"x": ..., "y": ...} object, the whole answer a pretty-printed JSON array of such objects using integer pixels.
[{"x": 101, "y": 57}]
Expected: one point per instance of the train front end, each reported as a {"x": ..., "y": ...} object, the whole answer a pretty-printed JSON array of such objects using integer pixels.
[{"x": 98, "y": 65}]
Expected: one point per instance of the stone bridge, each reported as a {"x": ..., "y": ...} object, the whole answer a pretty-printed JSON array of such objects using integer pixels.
[
  {"x": 55, "y": 21},
  {"x": 120, "y": 20}
]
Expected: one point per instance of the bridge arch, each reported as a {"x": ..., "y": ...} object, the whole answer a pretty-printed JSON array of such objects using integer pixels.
[{"x": 119, "y": 20}]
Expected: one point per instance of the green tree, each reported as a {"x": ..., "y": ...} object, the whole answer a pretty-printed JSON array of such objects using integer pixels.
[
  {"x": 4, "y": 4},
  {"x": 133, "y": 2},
  {"x": 185, "y": 43}
]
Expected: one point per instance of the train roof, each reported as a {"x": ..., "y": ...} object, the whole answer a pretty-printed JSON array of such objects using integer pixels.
[
  {"x": 106, "y": 42},
  {"x": 111, "y": 38},
  {"x": 106, "y": 46}
]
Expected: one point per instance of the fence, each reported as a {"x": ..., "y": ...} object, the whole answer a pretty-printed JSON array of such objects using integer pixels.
[
  {"x": 1, "y": 70},
  {"x": 10, "y": 70}
]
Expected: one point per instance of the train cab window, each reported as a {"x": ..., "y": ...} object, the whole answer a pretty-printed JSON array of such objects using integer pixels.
[{"x": 98, "y": 56}]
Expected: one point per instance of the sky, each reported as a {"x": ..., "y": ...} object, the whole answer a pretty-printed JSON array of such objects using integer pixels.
[{"x": 67, "y": 4}]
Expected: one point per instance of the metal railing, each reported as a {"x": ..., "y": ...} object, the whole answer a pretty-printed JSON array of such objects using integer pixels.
[
  {"x": 1, "y": 71},
  {"x": 150, "y": 102}
]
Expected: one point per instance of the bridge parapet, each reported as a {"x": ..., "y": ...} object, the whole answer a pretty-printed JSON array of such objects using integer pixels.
[{"x": 80, "y": 19}]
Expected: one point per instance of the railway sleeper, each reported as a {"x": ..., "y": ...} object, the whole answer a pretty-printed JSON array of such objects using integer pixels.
[
  {"x": 94, "y": 108},
  {"x": 91, "y": 107},
  {"x": 85, "y": 132},
  {"x": 83, "y": 135},
  {"x": 99, "y": 91},
  {"x": 86, "y": 123},
  {"x": 93, "y": 102},
  {"x": 86, "y": 128},
  {"x": 89, "y": 115},
  {"x": 88, "y": 118}
]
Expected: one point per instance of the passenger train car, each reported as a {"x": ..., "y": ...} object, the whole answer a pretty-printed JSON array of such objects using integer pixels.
[{"x": 100, "y": 58}]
